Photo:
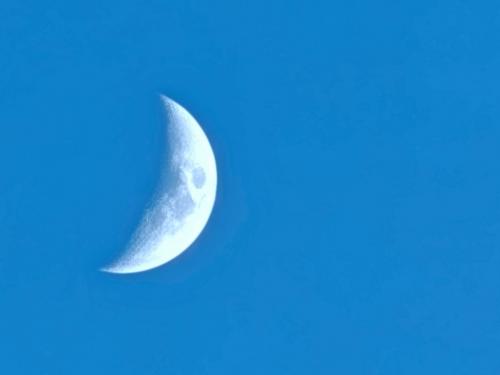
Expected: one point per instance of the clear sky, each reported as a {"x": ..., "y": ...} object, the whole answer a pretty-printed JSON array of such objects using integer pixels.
[{"x": 357, "y": 222}]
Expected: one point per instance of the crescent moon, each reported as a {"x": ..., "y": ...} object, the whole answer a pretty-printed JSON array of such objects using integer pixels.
[{"x": 184, "y": 201}]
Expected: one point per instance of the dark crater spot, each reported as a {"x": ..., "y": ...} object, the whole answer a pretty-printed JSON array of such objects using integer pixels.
[{"x": 198, "y": 177}]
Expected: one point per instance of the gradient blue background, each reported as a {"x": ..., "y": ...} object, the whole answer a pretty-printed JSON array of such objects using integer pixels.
[{"x": 357, "y": 223}]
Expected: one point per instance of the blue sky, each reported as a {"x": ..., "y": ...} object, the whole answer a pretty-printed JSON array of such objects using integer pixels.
[{"x": 356, "y": 228}]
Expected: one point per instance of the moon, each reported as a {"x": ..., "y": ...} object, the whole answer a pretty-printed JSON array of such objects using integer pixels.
[{"x": 183, "y": 202}]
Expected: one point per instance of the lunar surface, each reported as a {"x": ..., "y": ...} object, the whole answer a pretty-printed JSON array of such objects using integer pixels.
[{"x": 184, "y": 200}]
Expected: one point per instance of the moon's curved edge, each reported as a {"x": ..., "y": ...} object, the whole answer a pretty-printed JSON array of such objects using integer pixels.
[{"x": 117, "y": 266}]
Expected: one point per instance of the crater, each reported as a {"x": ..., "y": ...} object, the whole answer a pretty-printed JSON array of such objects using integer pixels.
[{"x": 198, "y": 177}]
